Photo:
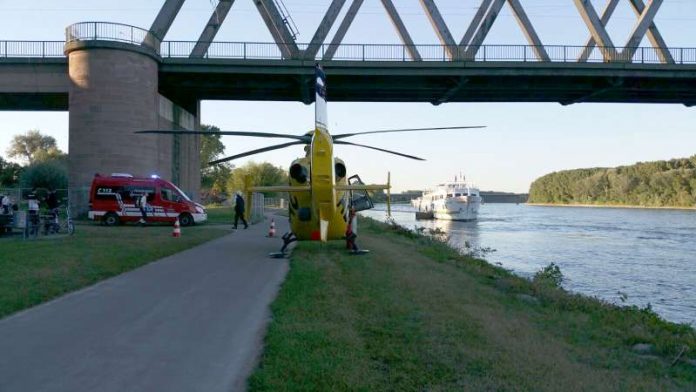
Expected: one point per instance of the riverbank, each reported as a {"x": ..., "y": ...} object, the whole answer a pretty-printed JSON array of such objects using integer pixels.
[
  {"x": 414, "y": 315},
  {"x": 610, "y": 206}
]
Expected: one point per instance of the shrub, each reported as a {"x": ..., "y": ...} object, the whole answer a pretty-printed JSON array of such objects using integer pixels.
[
  {"x": 550, "y": 275},
  {"x": 50, "y": 174}
]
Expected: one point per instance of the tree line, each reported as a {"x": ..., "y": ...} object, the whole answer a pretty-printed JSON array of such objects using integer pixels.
[
  {"x": 650, "y": 184},
  {"x": 41, "y": 164}
]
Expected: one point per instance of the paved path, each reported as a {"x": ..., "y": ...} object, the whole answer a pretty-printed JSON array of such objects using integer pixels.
[{"x": 189, "y": 322}]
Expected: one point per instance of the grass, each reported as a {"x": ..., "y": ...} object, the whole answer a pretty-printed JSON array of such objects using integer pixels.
[
  {"x": 37, "y": 271},
  {"x": 220, "y": 215},
  {"x": 415, "y": 315}
]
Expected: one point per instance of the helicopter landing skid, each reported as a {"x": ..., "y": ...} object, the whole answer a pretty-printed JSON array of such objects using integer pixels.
[{"x": 287, "y": 238}]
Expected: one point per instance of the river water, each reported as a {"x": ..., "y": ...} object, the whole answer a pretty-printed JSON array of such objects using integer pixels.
[{"x": 624, "y": 256}]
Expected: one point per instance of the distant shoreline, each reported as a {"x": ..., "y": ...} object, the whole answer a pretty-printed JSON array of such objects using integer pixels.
[{"x": 610, "y": 206}]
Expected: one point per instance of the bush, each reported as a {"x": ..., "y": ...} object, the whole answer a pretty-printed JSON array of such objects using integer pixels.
[
  {"x": 550, "y": 275},
  {"x": 50, "y": 174}
]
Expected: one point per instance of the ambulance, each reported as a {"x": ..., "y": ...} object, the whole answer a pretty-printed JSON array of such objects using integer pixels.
[{"x": 113, "y": 199}]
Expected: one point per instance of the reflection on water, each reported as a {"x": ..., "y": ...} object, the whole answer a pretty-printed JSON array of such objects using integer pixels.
[{"x": 650, "y": 255}]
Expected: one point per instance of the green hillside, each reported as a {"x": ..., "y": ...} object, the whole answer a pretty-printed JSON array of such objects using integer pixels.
[{"x": 650, "y": 184}]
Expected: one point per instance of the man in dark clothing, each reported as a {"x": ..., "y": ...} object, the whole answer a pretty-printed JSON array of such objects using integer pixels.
[
  {"x": 239, "y": 211},
  {"x": 52, "y": 204},
  {"x": 52, "y": 201}
]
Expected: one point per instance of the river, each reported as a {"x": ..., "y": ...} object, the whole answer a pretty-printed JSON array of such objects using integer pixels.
[{"x": 624, "y": 256}]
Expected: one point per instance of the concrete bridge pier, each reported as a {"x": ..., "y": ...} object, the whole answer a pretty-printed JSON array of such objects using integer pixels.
[{"x": 113, "y": 93}]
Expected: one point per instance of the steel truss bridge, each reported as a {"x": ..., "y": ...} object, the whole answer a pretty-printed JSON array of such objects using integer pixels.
[{"x": 452, "y": 71}]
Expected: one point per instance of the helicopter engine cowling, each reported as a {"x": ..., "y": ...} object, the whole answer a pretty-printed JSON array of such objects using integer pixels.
[
  {"x": 299, "y": 173},
  {"x": 339, "y": 169}
]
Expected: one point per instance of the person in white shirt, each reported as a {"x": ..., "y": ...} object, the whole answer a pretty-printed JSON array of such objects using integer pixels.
[
  {"x": 142, "y": 203},
  {"x": 5, "y": 204}
]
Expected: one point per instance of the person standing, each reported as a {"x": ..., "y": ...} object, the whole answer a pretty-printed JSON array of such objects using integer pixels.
[
  {"x": 5, "y": 204},
  {"x": 239, "y": 210},
  {"x": 52, "y": 202},
  {"x": 33, "y": 207},
  {"x": 142, "y": 204}
]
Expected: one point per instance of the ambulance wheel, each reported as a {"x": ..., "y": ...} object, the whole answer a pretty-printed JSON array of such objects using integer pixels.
[
  {"x": 185, "y": 219},
  {"x": 111, "y": 219}
]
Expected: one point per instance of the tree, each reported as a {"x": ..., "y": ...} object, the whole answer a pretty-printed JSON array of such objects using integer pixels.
[
  {"x": 262, "y": 174},
  {"x": 9, "y": 173},
  {"x": 34, "y": 147},
  {"x": 213, "y": 178},
  {"x": 49, "y": 174}
]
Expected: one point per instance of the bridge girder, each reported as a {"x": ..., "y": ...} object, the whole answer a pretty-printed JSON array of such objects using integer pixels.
[
  {"x": 276, "y": 20},
  {"x": 211, "y": 29}
]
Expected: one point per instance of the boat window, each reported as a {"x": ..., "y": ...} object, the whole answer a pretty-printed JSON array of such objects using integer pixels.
[{"x": 459, "y": 194}]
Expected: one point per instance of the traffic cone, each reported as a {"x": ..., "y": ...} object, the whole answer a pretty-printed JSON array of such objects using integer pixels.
[
  {"x": 177, "y": 229},
  {"x": 271, "y": 231}
]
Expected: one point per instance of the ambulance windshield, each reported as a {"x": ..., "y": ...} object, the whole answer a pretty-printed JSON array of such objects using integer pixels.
[{"x": 181, "y": 193}]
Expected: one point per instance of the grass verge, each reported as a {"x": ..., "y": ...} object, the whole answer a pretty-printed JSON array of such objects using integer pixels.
[
  {"x": 37, "y": 271},
  {"x": 415, "y": 315}
]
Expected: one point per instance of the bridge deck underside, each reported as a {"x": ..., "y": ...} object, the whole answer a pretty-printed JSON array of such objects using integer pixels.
[
  {"x": 401, "y": 82},
  {"x": 34, "y": 101},
  {"x": 185, "y": 81}
]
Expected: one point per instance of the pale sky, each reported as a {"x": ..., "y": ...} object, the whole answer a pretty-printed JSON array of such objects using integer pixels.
[{"x": 522, "y": 142}]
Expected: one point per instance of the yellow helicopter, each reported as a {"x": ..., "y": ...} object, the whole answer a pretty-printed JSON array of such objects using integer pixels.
[{"x": 322, "y": 197}]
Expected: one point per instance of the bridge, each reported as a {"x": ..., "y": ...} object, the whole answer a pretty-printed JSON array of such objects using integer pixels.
[{"x": 115, "y": 78}]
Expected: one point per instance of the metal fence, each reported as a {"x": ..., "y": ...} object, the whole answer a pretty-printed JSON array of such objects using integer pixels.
[
  {"x": 108, "y": 31},
  {"x": 103, "y": 31},
  {"x": 18, "y": 196},
  {"x": 275, "y": 202},
  {"x": 257, "y": 207},
  {"x": 42, "y": 49},
  {"x": 444, "y": 53}
]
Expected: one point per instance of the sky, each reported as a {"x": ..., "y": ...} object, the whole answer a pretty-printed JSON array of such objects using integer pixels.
[{"x": 522, "y": 141}]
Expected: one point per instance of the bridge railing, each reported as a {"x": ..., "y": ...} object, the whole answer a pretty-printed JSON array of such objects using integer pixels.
[
  {"x": 397, "y": 52},
  {"x": 109, "y": 31},
  {"x": 345, "y": 52},
  {"x": 44, "y": 49}
]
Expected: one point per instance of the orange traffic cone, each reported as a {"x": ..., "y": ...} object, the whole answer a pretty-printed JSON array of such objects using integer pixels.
[
  {"x": 177, "y": 229},
  {"x": 271, "y": 231}
]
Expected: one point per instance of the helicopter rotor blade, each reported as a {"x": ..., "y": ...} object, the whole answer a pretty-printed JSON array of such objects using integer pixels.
[
  {"x": 303, "y": 138},
  {"x": 379, "y": 149},
  {"x": 252, "y": 152},
  {"x": 343, "y": 135}
]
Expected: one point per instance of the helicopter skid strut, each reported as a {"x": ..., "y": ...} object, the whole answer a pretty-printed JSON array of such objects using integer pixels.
[{"x": 287, "y": 238}]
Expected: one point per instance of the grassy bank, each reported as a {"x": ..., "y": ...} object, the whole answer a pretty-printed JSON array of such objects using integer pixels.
[
  {"x": 608, "y": 206},
  {"x": 415, "y": 315},
  {"x": 36, "y": 271}
]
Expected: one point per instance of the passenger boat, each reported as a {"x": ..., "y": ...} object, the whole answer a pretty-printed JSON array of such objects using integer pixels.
[{"x": 455, "y": 200}]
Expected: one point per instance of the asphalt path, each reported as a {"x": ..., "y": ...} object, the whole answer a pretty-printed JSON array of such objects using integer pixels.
[{"x": 193, "y": 321}]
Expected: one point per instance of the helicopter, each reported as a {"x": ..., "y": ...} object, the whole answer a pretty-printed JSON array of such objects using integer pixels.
[{"x": 323, "y": 199}]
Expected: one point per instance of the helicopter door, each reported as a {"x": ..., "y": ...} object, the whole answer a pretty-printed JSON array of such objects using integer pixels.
[{"x": 360, "y": 200}]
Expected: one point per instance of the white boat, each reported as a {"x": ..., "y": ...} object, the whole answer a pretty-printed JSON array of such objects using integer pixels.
[{"x": 455, "y": 200}]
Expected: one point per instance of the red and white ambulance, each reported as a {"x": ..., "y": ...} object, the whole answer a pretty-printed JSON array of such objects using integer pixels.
[{"x": 112, "y": 200}]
